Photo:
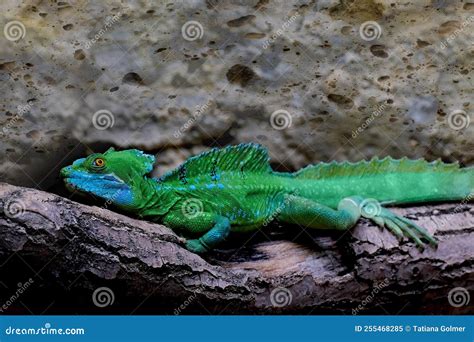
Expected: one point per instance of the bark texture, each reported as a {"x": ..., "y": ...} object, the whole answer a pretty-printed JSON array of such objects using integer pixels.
[{"x": 70, "y": 250}]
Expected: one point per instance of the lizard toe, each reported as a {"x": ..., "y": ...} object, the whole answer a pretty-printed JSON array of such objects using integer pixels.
[{"x": 403, "y": 227}]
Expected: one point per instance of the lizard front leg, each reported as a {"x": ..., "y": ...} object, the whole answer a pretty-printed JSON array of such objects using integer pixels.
[
  {"x": 214, "y": 228},
  {"x": 217, "y": 234}
]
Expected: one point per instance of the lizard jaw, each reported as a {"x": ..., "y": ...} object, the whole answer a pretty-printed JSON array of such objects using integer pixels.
[{"x": 106, "y": 186}]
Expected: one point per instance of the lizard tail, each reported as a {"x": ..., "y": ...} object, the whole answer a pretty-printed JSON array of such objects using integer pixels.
[{"x": 392, "y": 181}]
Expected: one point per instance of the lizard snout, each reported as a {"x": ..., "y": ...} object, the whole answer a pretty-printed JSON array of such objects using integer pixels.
[{"x": 66, "y": 171}]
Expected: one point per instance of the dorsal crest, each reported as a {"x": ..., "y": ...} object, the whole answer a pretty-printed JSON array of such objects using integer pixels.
[
  {"x": 371, "y": 167},
  {"x": 243, "y": 158}
]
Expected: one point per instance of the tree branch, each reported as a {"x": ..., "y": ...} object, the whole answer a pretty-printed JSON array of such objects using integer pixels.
[{"x": 71, "y": 249}]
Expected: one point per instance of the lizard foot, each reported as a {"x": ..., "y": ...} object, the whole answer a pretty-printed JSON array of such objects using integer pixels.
[
  {"x": 398, "y": 225},
  {"x": 196, "y": 246}
]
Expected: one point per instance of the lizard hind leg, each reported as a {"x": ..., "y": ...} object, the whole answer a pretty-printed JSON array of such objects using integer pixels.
[
  {"x": 397, "y": 224},
  {"x": 311, "y": 214}
]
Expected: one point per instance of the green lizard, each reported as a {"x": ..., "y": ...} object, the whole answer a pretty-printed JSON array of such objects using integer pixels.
[{"x": 235, "y": 189}]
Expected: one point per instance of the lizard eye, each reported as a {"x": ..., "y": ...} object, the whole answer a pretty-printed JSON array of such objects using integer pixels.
[{"x": 99, "y": 162}]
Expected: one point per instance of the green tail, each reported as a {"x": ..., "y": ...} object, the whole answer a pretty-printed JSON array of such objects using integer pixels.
[{"x": 389, "y": 180}]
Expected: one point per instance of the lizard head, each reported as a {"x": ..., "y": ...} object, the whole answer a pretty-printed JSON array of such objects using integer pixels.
[{"x": 114, "y": 176}]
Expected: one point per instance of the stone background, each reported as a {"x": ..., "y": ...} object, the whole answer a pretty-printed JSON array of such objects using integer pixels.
[{"x": 159, "y": 83}]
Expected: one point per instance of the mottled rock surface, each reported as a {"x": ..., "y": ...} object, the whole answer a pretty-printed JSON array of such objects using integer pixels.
[{"x": 346, "y": 80}]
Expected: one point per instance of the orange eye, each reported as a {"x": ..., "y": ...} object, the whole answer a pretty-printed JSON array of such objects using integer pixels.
[{"x": 99, "y": 162}]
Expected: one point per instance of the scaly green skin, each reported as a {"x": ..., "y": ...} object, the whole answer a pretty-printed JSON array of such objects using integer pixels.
[{"x": 234, "y": 189}]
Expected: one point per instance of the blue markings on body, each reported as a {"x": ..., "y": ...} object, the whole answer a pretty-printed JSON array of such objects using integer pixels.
[
  {"x": 216, "y": 177},
  {"x": 160, "y": 187},
  {"x": 212, "y": 186}
]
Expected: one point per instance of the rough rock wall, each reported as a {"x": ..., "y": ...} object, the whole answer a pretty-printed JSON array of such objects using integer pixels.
[{"x": 312, "y": 80}]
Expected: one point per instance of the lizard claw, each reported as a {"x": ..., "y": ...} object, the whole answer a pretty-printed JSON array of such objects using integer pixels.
[{"x": 401, "y": 226}]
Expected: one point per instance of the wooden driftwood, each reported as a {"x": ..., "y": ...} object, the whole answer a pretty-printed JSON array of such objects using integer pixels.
[{"x": 69, "y": 252}]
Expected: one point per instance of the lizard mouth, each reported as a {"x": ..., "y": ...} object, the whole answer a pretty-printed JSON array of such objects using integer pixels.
[
  {"x": 76, "y": 180},
  {"x": 69, "y": 173}
]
